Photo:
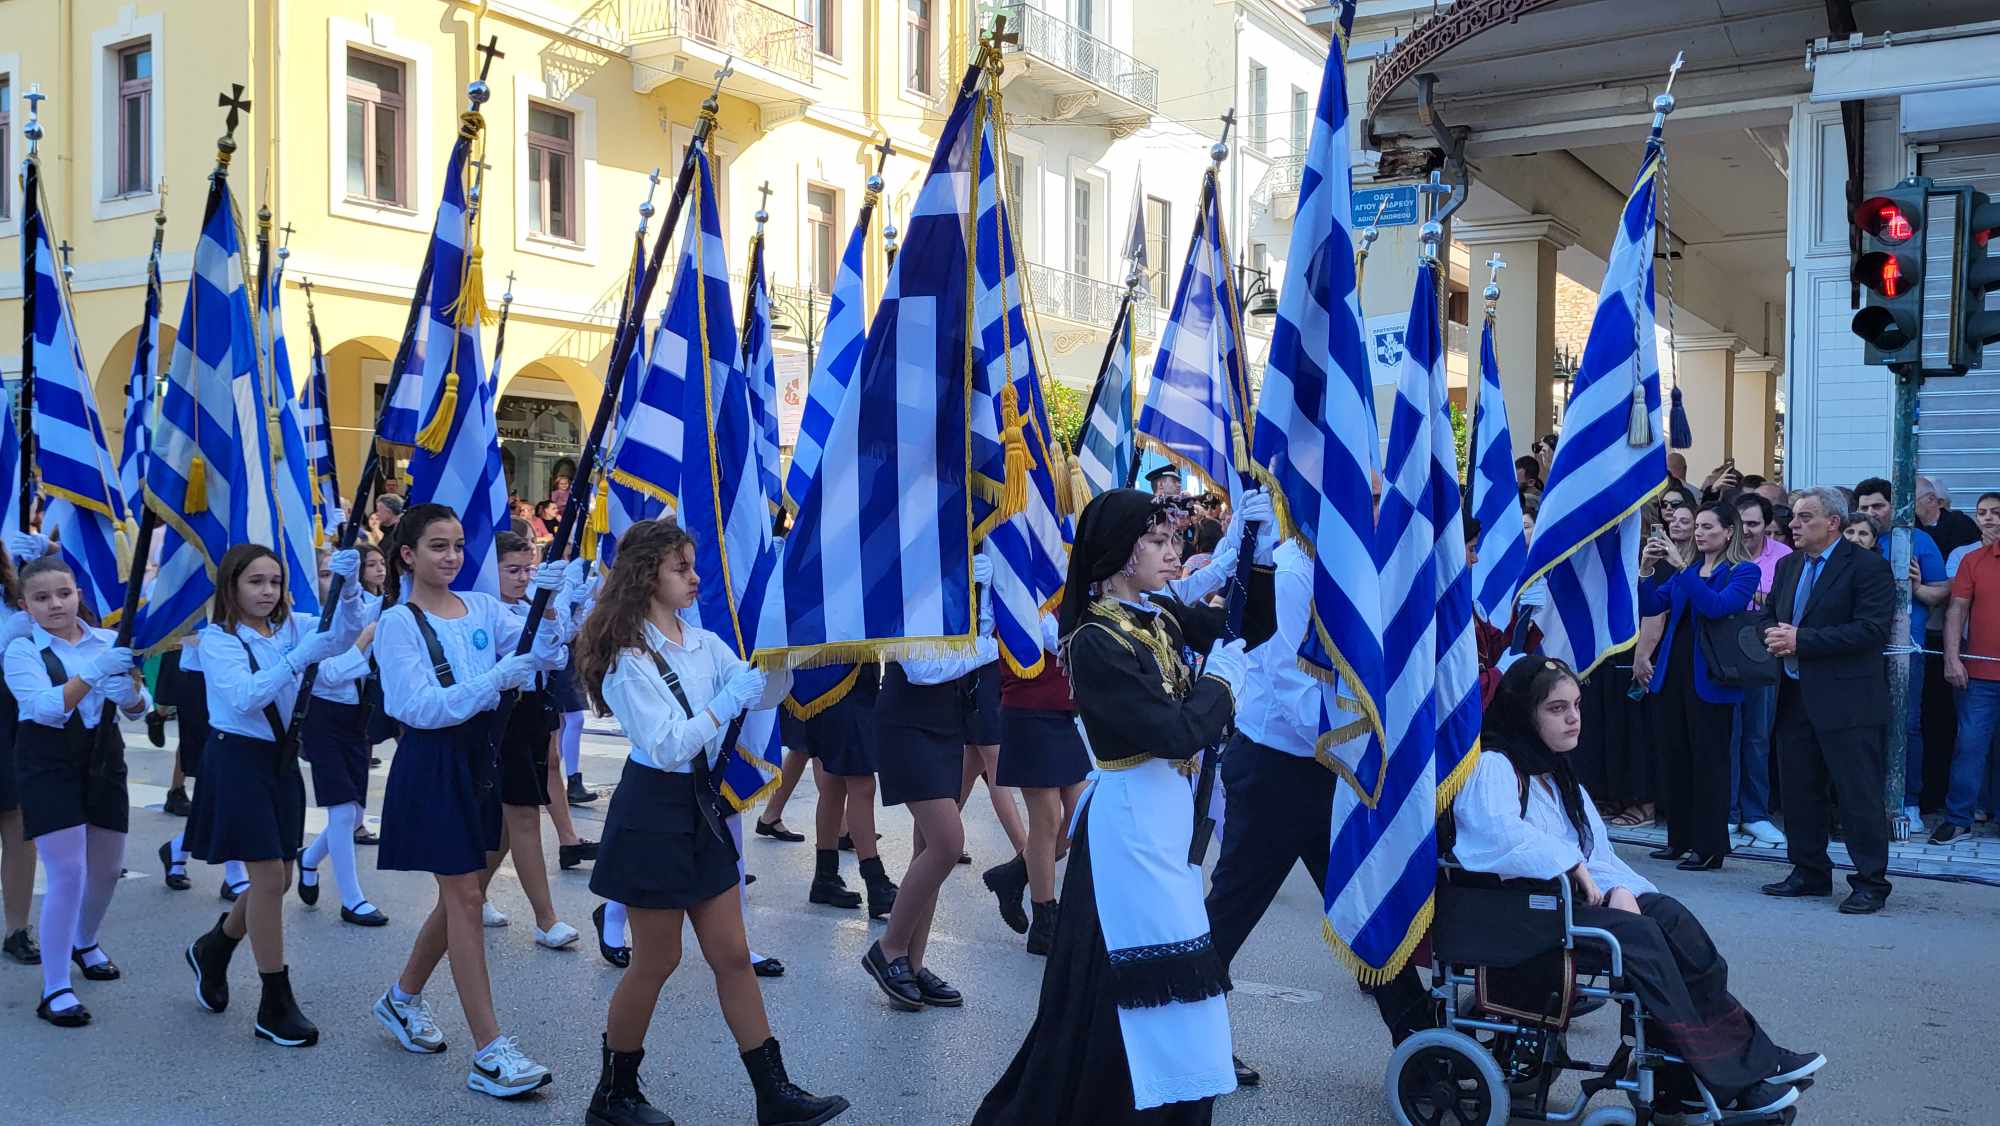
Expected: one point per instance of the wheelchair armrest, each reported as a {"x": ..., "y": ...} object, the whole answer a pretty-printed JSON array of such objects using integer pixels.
[{"x": 1600, "y": 935}]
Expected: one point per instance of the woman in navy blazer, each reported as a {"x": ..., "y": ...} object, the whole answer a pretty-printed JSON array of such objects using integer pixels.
[{"x": 1696, "y": 712}]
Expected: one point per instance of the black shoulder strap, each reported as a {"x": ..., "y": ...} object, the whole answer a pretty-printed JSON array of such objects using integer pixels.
[
  {"x": 76, "y": 734},
  {"x": 58, "y": 675},
  {"x": 706, "y": 795},
  {"x": 439, "y": 666},
  {"x": 271, "y": 716},
  {"x": 673, "y": 680}
]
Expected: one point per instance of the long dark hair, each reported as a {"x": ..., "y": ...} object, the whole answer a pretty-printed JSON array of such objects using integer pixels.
[
  {"x": 1510, "y": 730},
  {"x": 618, "y": 621},
  {"x": 228, "y": 612},
  {"x": 10, "y": 587},
  {"x": 365, "y": 549},
  {"x": 409, "y": 531}
]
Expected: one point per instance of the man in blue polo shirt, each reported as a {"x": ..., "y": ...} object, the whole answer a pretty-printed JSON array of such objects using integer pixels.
[{"x": 1929, "y": 587}]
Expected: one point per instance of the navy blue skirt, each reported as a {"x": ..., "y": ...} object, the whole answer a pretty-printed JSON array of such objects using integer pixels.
[
  {"x": 60, "y": 789},
  {"x": 914, "y": 764},
  {"x": 10, "y": 786},
  {"x": 657, "y": 852},
  {"x": 1040, "y": 749},
  {"x": 842, "y": 738},
  {"x": 251, "y": 804},
  {"x": 336, "y": 744},
  {"x": 564, "y": 689},
  {"x": 434, "y": 807},
  {"x": 983, "y": 726},
  {"x": 190, "y": 718},
  {"x": 524, "y": 751}
]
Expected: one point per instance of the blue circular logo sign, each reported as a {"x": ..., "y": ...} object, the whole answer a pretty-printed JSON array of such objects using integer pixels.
[{"x": 479, "y": 639}]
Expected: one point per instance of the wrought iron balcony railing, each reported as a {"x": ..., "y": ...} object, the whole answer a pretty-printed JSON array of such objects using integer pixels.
[
  {"x": 1085, "y": 300},
  {"x": 1082, "y": 54},
  {"x": 752, "y": 32},
  {"x": 1282, "y": 178}
]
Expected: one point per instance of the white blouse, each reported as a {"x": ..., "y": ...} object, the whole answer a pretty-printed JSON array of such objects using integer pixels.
[
  {"x": 237, "y": 697},
  {"x": 1494, "y": 836},
  {"x": 28, "y": 678},
  {"x": 1278, "y": 705},
  {"x": 340, "y": 676},
  {"x": 662, "y": 733},
  {"x": 938, "y": 670},
  {"x": 473, "y": 643}
]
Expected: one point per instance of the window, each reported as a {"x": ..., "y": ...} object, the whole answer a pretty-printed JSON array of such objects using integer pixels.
[
  {"x": 1017, "y": 173},
  {"x": 135, "y": 120},
  {"x": 1260, "y": 261},
  {"x": 826, "y": 27},
  {"x": 820, "y": 208},
  {"x": 1080, "y": 240},
  {"x": 917, "y": 45},
  {"x": 1084, "y": 12},
  {"x": 1159, "y": 248},
  {"x": 375, "y": 129},
  {"x": 6, "y": 152},
  {"x": 552, "y": 194},
  {"x": 1301, "y": 121},
  {"x": 1260, "y": 105}
]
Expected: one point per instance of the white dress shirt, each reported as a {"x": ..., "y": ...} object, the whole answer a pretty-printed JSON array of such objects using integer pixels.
[
  {"x": 1494, "y": 836},
  {"x": 473, "y": 644},
  {"x": 28, "y": 677},
  {"x": 237, "y": 697},
  {"x": 1278, "y": 704},
  {"x": 341, "y": 676},
  {"x": 662, "y": 734},
  {"x": 938, "y": 670}
]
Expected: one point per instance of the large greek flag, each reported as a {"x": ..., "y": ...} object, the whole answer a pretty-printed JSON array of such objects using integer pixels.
[
  {"x": 1587, "y": 535},
  {"x": 456, "y": 456},
  {"x": 1316, "y": 440},
  {"x": 139, "y": 394},
  {"x": 1382, "y": 868},
  {"x": 293, "y": 482},
  {"x": 1496, "y": 497},
  {"x": 195, "y": 474},
  {"x": 10, "y": 466},
  {"x": 839, "y": 354},
  {"x": 1200, "y": 393},
  {"x": 760, "y": 367},
  {"x": 879, "y": 560},
  {"x": 84, "y": 510},
  {"x": 616, "y": 507},
  {"x": 1105, "y": 449}
]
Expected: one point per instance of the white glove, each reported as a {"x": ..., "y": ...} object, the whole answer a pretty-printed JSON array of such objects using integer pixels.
[
  {"x": 576, "y": 573},
  {"x": 25, "y": 547},
  {"x": 982, "y": 569},
  {"x": 986, "y": 615},
  {"x": 123, "y": 691},
  {"x": 315, "y": 647},
  {"x": 1227, "y": 662},
  {"x": 1254, "y": 508},
  {"x": 549, "y": 576},
  {"x": 741, "y": 692},
  {"x": 346, "y": 563},
  {"x": 547, "y": 649},
  {"x": 108, "y": 665},
  {"x": 515, "y": 670}
]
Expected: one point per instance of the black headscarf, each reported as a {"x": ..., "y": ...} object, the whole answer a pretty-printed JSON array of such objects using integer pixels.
[
  {"x": 1510, "y": 730},
  {"x": 1111, "y": 526}
]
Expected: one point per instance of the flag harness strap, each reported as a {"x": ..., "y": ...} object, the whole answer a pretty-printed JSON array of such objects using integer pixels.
[{"x": 704, "y": 787}]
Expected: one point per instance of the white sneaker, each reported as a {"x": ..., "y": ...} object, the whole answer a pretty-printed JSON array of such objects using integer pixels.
[
  {"x": 1765, "y": 832},
  {"x": 502, "y": 1071},
  {"x": 492, "y": 916},
  {"x": 556, "y": 937},
  {"x": 1915, "y": 818},
  {"x": 410, "y": 1022}
]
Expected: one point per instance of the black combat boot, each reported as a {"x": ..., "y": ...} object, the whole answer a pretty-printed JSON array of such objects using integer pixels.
[
  {"x": 780, "y": 1102},
  {"x": 881, "y": 889},
  {"x": 208, "y": 956},
  {"x": 617, "y": 1100},
  {"x": 827, "y": 886},
  {"x": 1042, "y": 933}
]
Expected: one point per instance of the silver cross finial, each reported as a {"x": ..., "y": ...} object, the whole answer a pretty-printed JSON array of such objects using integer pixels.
[
  {"x": 508, "y": 296},
  {"x": 1219, "y": 151},
  {"x": 1664, "y": 104},
  {"x": 1674, "y": 71},
  {"x": 764, "y": 205},
  {"x": 1494, "y": 265},
  {"x": 33, "y": 130},
  {"x": 646, "y": 207},
  {"x": 723, "y": 75},
  {"x": 64, "y": 249}
]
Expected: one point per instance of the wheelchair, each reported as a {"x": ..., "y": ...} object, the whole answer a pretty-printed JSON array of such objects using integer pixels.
[{"x": 1511, "y": 970}]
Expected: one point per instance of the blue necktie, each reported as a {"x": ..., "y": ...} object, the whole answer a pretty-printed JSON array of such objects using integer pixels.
[{"x": 1799, "y": 599}]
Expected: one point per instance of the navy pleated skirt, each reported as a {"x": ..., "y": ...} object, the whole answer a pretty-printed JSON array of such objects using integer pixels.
[
  {"x": 658, "y": 852},
  {"x": 251, "y": 804},
  {"x": 983, "y": 726},
  {"x": 435, "y": 815},
  {"x": 10, "y": 786},
  {"x": 524, "y": 751},
  {"x": 336, "y": 744},
  {"x": 914, "y": 764},
  {"x": 1040, "y": 749},
  {"x": 842, "y": 737}
]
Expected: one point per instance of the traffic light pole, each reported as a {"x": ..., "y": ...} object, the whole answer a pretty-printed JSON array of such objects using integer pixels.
[{"x": 1903, "y": 471}]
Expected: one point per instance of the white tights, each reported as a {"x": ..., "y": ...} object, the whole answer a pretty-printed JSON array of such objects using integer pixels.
[
  {"x": 233, "y": 872},
  {"x": 81, "y": 865},
  {"x": 336, "y": 842}
]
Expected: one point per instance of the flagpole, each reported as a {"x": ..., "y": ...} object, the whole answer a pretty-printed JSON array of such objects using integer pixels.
[
  {"x": 315, "y": 385},
  {"x": 31, "y": 185},
  {"x": 500, "y": 332}
]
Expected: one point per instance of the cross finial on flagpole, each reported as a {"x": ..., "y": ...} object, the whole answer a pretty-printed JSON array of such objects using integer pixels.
[
  {"x": 1494, "y": 265},
  {"x": 64, "y": 249},
  {"x": 1219, "y": 152},
  {"x": 507, "y": 297},
  {"x": 235, "y": 103},
  {"x": 33, "y": 130},
  {"x": 1434, "y": 192},
  {"x": 646, "y": 207},
  {"x": 888, "y": 149},
  {"x": 1664, "y": 104},
  {"x": 723, "y": 75},
  {"x": 491, "y": 50},
  {"x": 763, "y": 205}
]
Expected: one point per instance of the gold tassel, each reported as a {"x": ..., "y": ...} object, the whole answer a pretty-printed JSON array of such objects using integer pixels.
[
  {"x": 472, "y": 299},
  {"x": 277, "y": 433},
  {"x": 1639, "y": 421},
  {"x": 432, "y": 436},
  {"x": 1079, "y": 488},
  {"x": 196, "y": 498},
  {"x": 598, "y": 523},
  {"x": 122, "y": 544},
  {"x": 1020, "y": 461},
  {"x": 319, "y": 531}
]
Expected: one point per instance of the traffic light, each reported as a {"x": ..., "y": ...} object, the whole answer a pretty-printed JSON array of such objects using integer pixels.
[
  {"x": 1890, "y": 266},
  {"x": 1973, "y": 326}
]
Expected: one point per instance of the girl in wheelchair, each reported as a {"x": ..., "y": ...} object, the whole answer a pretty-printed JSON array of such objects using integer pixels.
[{"x": 1522, "y": 813}]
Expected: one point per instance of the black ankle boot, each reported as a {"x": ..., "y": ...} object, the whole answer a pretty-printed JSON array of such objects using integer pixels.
[
  {"x": 278, "y": 1017},
  {"x": 617, "y": 1100},
  {"x": 1042, "y": 933},
  {"x": 827, "y": 886},
  {"x": 881, "y": 889},
  {"x": 208, "y": 956},
  {"x": 781, "y": 1102},
  {"x": 1009, "y": 882}
]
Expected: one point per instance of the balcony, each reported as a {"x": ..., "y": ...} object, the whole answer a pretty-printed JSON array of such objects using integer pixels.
[
  {"x": 1084, "y": 300},
  {"x": 1278, "y": 191},
  {"x": 691, "y": 39},
  {"x": 1080, "y": 71}
]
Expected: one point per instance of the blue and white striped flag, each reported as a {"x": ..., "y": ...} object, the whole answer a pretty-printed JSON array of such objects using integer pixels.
[
  {"x": 839, "y": 355},
  {"x": 1316, "y": 439},
  {"x": 293, "y": 482},
  {"x": 1587, "y": 534},
  {"x": 1496, "y": 497},
  {"x": 317, "y": 423},
  {"x": 760, "y": 367},
  {"x": 84, "y": 509},
  {"x": 139, "y": 393},
  {"x": 195, "y": 481},
  {"x": 1201, "y": 393},
  {"x": 1382, "y": 869},
  {"x": 878, "y": 564},
  {"x": 617, "y": 507},
  {"x": 10, "y": 466},
  {"x": 1107, "y": 447},
  {"x": 456, "y": 457}
]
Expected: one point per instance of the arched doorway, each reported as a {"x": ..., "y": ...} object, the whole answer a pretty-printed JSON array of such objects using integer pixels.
[
  {"x": 543, "y": 422},
  {"x": 357, "y": 376},
  {"x": 113, "y": 378}
]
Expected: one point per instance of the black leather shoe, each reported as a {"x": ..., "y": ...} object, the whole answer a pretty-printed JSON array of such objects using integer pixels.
[
  {"x": 1696, "y": 862},
  {"x": 106, "y": 970},
  {"x": 898, "y": 983},
  {"x": 569, "y": 856},
  {"x": 365, "y": 836},
  {"x": 776, "y": 831},
  {"x": 1795, "y": 886},
  {"x": 21, "y": 947},
  {"x": 208, "y": 956},
  {"x": 230, "y": 891},
  {"x": 308, "y": 892},
  {"x": 832, "y": 891},
  {"x": 156, "y": 731},
  {"x": 76, "y": 1016},
  {"x": 1668, "y": 853},
  {"x": 937, "y": 992},
  {"x": 1009, "y": 883},
  {"x": 177, "y": 803},
  {"x": 368, "y": 916},
  {"x": 619, "y": 956},
  {"x": 1042, "y": 932},
  {"x": 176, "y": 881},
  {"x": 577, "y": 794},
  {"x": 1864, "y": 902},
  {"x": 1246, "y": 1076},
  {"x": 768, "y": 967},
  {"x": 881, "y": 889},
  {"x": 964, "y": 857}
]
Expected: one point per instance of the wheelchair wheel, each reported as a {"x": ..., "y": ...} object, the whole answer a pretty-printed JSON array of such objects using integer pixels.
[
  {"x": 1444, "y": 1078},
  {"x": 1611, "y": 1116}
]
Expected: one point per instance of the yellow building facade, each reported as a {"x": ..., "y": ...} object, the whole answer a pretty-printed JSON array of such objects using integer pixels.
[{"x": 354, "y": 106}]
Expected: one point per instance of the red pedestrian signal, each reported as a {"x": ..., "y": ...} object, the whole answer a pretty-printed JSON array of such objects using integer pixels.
[
  {"x": 1884, "y": 219},
  {"x": 1888, "y": 266}
]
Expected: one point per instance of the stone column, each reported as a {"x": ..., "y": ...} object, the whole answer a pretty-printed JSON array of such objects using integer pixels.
[
  {"x": 1754, "y": 427},
  {"x": 1706, "y": 364},
  {"x": 1524, "y": 327}
]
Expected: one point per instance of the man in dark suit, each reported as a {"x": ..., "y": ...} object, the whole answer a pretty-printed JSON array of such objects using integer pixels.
[{"x": 1826, "y": 620}]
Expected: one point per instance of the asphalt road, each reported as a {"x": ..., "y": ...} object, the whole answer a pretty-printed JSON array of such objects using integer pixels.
[{"x": 1902, "y": 1003}]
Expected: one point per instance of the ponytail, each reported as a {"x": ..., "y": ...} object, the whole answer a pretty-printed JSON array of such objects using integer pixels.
[{"x": 409, "y": 531}]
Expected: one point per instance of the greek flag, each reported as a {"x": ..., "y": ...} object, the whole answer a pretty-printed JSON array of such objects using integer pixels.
[
  {"x": 1587, "y": 535},
  {"x": 1496, "y": 497},
  {"x": 1200, "y": 392},
  {"x": 402, "y": 416},
  {"x": 313, "y": 417},
  {"x": 839, "y": 354},
  {"x": 761, "y": 369},
  {"x": 1105, "y": 450},
  {"x": 1030, "y": 549},
  {"x": 1382, "y": 868},
  {"x": 879, "y": 561},
  {"x": 456, "y": 457},
  {"x": 195, "y": 475},
  {"x": 139, "y": 387},
  {"x": 1315, "y": 437},
  {"x": 293, "y": 482},
  {"x": 10, "y": 467},
  {"x": 616, "y": 506},
  {"x": 85, "y": 511}
]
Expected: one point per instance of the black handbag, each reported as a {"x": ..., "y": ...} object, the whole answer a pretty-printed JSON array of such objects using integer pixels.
[{"x": 1733, "y": 648}]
